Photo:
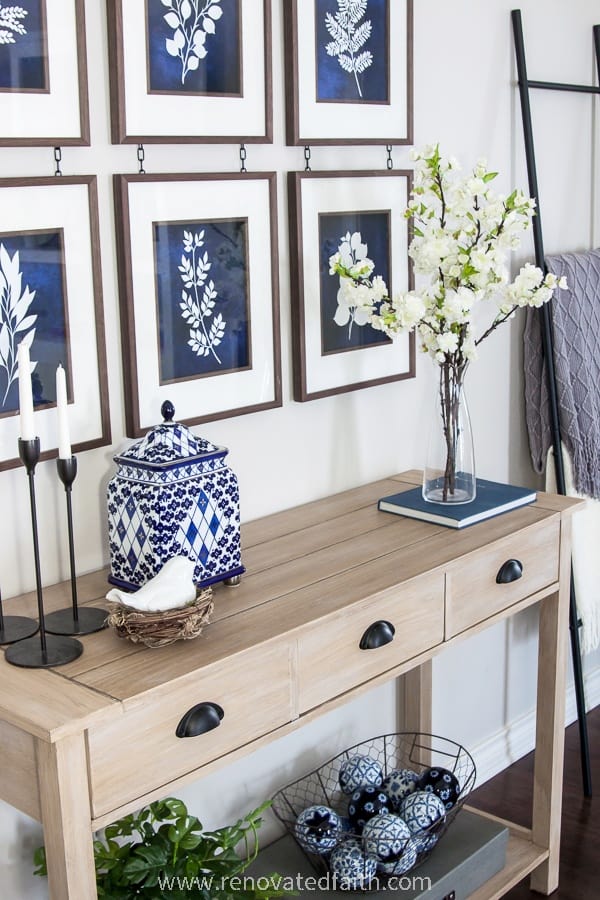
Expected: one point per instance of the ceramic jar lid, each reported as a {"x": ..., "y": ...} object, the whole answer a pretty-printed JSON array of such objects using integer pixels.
[{"x": 169, "y": 445}]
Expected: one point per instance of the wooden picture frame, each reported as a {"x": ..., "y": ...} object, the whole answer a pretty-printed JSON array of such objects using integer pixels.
[
  {"x": 347, "y": 81},
  {"x": 323, "y": 206},
  {"x": 52, "y": 297},
  {"x": 43, "y": 62},
  {"x": 198, "y": 275},
  {"x": 190, "y": 71}
]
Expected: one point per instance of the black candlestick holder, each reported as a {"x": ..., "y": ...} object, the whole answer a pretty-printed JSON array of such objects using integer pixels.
[
  {"x": 49, "y": 650},
  {"x": 73, "y": 620},
  {"x": 15, "y": 628}
]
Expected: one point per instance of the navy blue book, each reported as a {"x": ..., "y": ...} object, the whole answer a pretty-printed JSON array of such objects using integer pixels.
[{"x": 492, "y": 498}]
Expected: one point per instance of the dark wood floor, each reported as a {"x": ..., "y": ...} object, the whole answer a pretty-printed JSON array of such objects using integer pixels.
[{"x": 508, "y": 795}]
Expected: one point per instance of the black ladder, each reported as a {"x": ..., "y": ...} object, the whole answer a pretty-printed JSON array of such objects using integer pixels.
[{"x": 524, "y": 85}]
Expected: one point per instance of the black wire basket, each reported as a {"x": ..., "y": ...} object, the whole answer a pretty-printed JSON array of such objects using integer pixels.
[{"x": 327, "y": 820}]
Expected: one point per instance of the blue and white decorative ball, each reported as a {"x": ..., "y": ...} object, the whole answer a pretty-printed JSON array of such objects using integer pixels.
[
  {"x": 385, "y": 835},
  {"x": 351, "y": 869},
  {"x": 441, "y": 782},
  {"x": 399, "y": 783},
  {"x": 423, "y": 843},
  {"x": 424, "y": 813},
  {"x": 398, "y": 864},
  {"x": 359, "y": 771},
  {"x": 366, "y": 803},
  {"x": 317, "y": 829}
]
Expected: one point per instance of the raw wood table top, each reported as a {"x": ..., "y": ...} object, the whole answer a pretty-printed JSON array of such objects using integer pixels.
[{"x": 301, "y": 564}]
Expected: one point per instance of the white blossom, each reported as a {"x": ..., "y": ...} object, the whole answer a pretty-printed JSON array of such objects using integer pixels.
[
  {"x": 463, "y": 232},
  {"x": 379, "y": 289},
  {"x": 447, "y": 342}
]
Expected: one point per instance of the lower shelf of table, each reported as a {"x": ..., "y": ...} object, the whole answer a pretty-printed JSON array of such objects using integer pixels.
[{"x": 522, "y": 857}]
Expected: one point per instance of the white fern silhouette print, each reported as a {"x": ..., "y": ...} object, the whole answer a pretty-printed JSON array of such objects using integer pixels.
[
  {"x": 199, "y": 298},
  {"x": 10, "y": 23},
  {"x": 16, "y": 326},
  {"x": 191, "y": 21},
  {"x": 349, "y": 37}
]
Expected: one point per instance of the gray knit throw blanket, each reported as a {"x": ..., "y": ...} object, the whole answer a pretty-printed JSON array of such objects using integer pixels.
[{"x": 575, "y": 318}]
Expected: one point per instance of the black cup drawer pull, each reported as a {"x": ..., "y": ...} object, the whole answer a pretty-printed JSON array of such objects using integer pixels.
[
  {"x": 377, "y": 635},
  {"x": 511, "y": 570},
  {"x": 199, "y": 719}
]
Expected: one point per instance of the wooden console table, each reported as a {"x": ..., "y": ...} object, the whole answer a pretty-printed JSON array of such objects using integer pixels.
[{"x": 283, "y": 648}]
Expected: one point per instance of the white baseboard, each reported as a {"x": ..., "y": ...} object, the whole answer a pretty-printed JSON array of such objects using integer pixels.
[{"x": 517, "y": 738}]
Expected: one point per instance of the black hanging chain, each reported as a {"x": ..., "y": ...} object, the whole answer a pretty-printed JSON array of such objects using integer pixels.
[
  {"x": 243, "y": 156},
  {"x": 57, "y": 160},
  {"x": 307, "y": 157},
  {"x": 141, "y": 155},
  {"x": 389, "y": 161}
]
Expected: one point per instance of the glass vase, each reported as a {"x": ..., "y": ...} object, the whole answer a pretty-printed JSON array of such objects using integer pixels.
[{"x": 449, "y": 473}]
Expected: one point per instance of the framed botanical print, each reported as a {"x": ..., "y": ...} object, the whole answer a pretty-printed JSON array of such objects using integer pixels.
[
  {"x": 349, "y": 71},
  {"x": 43, "y": 74},
  {"x": 190, "y": 70},
  {"x": 51, "y": 299},
  {"x": 335, "y": 348},
  {"x": 199, "y": 295}
]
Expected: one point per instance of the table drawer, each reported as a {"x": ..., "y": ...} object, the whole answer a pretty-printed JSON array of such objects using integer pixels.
[
  {"x": 330, "y": 660},
  {"x": 472, "y": 592},
  {"x": 139, "y": 750}
]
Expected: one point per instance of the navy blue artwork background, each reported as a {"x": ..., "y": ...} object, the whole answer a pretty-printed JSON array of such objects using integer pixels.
[
  {"x": 374, "y": 228},
  {"x": 41, "y": 261},
  {"x": 220, "y": 70},
  {"x": 333, "y": 82},
  {"x": 226, "y": 244},
  {"x": 23, "y": 64}
]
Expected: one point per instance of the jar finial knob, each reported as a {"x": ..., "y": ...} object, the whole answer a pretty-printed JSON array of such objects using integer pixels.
[{"x": 167, "y": 411}]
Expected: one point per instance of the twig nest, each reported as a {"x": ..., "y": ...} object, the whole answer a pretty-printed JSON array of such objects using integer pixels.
[{"x": 156, "y": 629}]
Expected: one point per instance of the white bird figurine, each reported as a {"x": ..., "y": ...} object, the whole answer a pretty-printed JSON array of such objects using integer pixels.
[{"x": 173, "y": 586}]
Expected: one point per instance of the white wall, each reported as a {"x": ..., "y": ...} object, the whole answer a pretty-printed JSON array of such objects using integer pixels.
[{"x": 465, "y": 98}]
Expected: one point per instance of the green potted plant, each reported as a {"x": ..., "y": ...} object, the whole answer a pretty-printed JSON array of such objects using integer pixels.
[{"x": 163, "y": 851}]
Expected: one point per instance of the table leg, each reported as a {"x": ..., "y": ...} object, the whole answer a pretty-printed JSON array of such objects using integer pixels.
[
  {"x": 418, "y": 697},
  {"x": 418, "y": 687},
  {"x": 550, "y": 722},
  {"x": 66, "y": 817}
]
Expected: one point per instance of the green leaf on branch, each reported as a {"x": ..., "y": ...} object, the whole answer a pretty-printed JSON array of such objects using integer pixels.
[{"x": 39, "y": 861}]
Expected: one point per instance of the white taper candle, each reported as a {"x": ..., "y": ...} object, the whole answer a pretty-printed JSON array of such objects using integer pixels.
[
  {"x": 25, "y": 393},
  {"x": 64, "y": 439}
]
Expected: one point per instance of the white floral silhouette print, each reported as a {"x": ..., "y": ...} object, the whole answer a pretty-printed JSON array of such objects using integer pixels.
[
  {"x": 199, "y": 297},
  {"x": 191, "y": 22},
  {"x": 10, "y": 23},
  {"x": 349, "y": 37},
  {"x": 16, "y": 326}
]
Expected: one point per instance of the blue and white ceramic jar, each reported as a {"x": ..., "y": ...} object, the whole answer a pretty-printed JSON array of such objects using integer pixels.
[{"x": 173, "y": 495}]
